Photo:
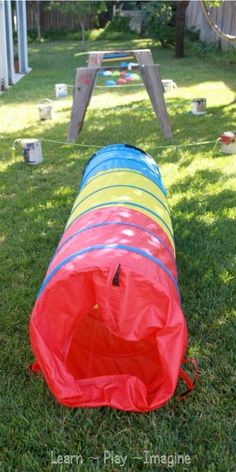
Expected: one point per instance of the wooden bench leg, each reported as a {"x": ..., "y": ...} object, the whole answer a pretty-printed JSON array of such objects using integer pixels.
[
  {"x": 152, "y": 80},
  {"x": 84, "y": 83}
]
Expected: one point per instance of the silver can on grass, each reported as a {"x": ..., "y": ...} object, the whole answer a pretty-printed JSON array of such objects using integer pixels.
[
  {"x": 32, "y": 151},
  {"x": 199, "y": 106},
  {"x": 45, "y": 109}
]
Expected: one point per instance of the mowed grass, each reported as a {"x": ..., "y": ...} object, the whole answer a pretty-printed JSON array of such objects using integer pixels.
[{"x": 35, "y": 204}]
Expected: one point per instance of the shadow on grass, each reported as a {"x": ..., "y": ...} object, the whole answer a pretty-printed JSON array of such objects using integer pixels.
[
  {"x": 204, "y": 234},
  {"x": 136, "y": 124}
]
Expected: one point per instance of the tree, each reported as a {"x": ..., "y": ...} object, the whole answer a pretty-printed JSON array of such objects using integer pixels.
[
  {"x": 37, "y": 7},
  {"x": 37, "y": 19},
  {"x": 84, "y": 11},
  {"x": 181, "y": 7}
]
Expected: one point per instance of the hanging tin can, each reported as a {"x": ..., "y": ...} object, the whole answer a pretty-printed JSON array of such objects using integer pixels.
[
  {"x": 61, "y": 90},
  {"x": 45, "y": 109},
  {"x": 228, "y": 142},
  {"x": 32, "y": 151},
  {"x": 199, "y": 106},
  {"x": 169, "y": 85}
]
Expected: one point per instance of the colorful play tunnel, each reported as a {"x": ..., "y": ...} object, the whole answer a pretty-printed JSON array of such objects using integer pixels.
[{"x": 107, "y": 327}]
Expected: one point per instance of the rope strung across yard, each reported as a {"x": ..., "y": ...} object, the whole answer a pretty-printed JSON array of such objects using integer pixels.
[
  {"x": 201, "y": 143},
  {"x": 64, "y": 143},
  {"x": 175, "y": 147}
]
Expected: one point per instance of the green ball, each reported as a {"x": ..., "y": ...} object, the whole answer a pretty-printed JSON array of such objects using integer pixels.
[
  {"x": 116, "y": 73},
  {"x": 136, "y": 77}
]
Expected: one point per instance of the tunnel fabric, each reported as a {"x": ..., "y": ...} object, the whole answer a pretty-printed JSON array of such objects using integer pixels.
[{"x": 107, "y": 327}]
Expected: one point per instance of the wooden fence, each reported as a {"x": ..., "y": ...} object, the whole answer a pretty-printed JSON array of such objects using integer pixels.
[
  {"x": 224, "y": 17},
  {"x": 51, "y": 20}
]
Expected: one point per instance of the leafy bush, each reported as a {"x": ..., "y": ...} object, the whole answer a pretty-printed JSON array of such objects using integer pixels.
[
  {"x": 31, "y": 35},
  {"x": 94, "y": 34},
  {"x": 54, "y": 35},
  {"x": 230, "y": 55},
  {"x": 192, "y": 34},
  {"x": 203, "y": 50},
  {"x": 213, "y": 52},
  {"x": 117, "y": 28},
  {"x": 159, "y": 22},
  {"x": 118, "y": 24}
]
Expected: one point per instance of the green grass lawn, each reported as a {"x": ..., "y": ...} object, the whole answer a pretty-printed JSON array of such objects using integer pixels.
[{"x": 35, "y": 204}]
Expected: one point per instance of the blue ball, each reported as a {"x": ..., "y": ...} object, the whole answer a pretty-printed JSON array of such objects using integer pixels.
[
  {"x": 124, "y": 64},
  {"x": 110, "y": 83}
]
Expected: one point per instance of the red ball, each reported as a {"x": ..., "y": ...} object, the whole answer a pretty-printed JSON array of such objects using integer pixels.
[
  {"x": 121, "y": 81},
  {"x": 122, "y": 74}
]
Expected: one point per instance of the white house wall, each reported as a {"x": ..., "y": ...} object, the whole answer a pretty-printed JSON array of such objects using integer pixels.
[
  {"x": 9, "y": 43},
  {"x": 3, "y": 47},
  {"x": 22, "y": 36},
  {"x": 7, "y": 71}
]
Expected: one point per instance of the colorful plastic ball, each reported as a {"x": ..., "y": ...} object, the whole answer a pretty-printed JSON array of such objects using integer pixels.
[
  {"x": 136, "y": 77},
  {"x": 101, "y": 73},
  {"x": 110, "y": 83},
  {"x": 128, "y": 74},
  {"x": 123, "y": 73},
  {"x": 124, "y": 64},
  {"x": 121, "y": 81},
  {"x": 116, "y": 73},
  {"x": 107, "y": 73},
  {"x": 128, "y": 79}
]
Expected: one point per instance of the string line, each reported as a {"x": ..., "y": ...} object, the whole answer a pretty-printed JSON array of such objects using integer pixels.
[
  {"x": 174, "y": 147},
  {"x": 200, "y": 143}
]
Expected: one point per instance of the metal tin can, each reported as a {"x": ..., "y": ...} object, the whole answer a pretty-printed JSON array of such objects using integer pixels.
[
  {"x": 169, "y": 85},
  {"x": 228, "y": 142},
  {"x": 61, "y": 90},
  {"x": 32, "y": 151},
  {"x": 199, "y": 106},
  {"x": 45, "y": 109}
]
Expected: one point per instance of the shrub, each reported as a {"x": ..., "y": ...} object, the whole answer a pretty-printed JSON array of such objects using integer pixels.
[
  {"x": 117, "y": 28},
  {"x": 159, "y": 22},
  {"x": 192, "y": 34},
  {"x": 213, "y": 52}
]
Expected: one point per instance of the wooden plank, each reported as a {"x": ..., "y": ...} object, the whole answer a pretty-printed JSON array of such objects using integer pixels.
[
  {"x": 84, "y": 83},
  {"x": 95, "y": 59},
  {"x": 144, "y": 56},
  {"x": 220, "y": 23},
  {"x": 217, "y": 15},
  {"x": 226, "y": 22},
  {"x": 233, "y": 24},
  {"x": 152, "y": 80},
  {"x": 119, "y": 59},
  {"x": 85, "y": 80},
  {"x": 120, "y": 51}
]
